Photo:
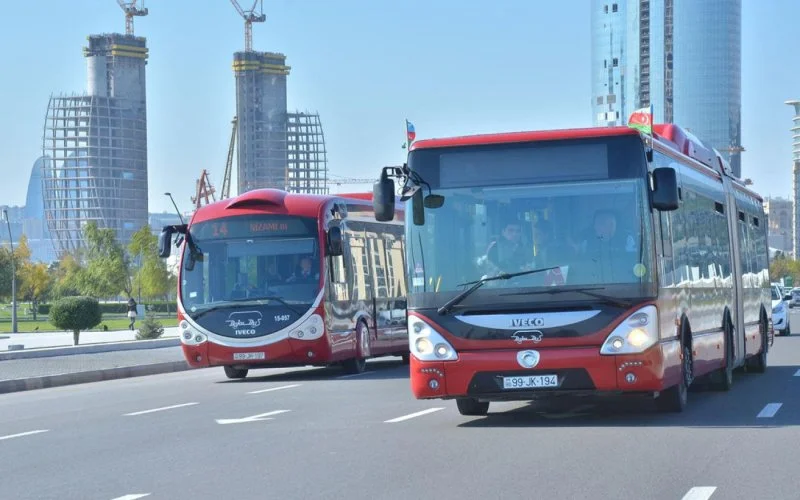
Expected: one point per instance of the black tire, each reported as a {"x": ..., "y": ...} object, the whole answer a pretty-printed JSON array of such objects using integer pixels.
[
  {"x": 358, "y": 364},
  {"x": 758, "y": 363},
  {"x": 676, "y": 398},
  {"x": 406, "y": 359},
  {"x": 723, "y": 379},
  {"x": 788, "y": 330},
  {"x": 235, "y": 373},
  {"x": 471, "y": 407}
]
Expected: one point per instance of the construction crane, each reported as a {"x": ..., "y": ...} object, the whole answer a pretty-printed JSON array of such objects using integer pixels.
[
  {"x": 250, "y": 17},
  {"x": 344, "y": 180},
  {"x": 130, "y": 10},
  {"x": 226, "y": 180},
  {"x": 204, "y": 191}
]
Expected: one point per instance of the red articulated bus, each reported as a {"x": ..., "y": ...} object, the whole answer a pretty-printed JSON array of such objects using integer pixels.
[
  {"x": 579, "y": 262},
  {"x": 271, "y": 278}
]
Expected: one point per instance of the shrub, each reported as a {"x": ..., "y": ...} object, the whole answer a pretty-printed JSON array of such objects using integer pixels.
[
  {"x": 76, "y": 314},
  {"x": 150, "y": 329}
]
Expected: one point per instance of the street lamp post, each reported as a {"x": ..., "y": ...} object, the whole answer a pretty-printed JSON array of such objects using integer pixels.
[{"x": 13, "y": 276}]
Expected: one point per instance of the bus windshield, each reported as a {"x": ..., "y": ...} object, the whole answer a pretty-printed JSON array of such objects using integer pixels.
[
  {"x": 268, "y": 263},
  {"x": 589, "y": 221}
]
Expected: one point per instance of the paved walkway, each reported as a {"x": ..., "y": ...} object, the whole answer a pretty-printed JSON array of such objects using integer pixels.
[{"x": 40, "y": 340}]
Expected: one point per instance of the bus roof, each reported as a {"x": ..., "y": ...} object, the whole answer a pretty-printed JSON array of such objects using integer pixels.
[
  {"x": 668, "y": 135},
  {"x": 275, "y": 201}
]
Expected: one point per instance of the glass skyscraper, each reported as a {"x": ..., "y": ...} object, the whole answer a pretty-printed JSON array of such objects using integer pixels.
[{"x": 681, "y": 56}]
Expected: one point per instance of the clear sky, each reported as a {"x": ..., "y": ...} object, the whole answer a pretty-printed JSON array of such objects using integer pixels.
[{"x": 450, "y": 66}]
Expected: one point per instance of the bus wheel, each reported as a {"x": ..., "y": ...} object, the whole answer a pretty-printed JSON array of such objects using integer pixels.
[
  {"x": 406, "y": 359},
  {"x": 358, "y": 364},
  {"x": 471, "y": 407},
  {"x": 723, "y": 378},
  {"x": 758, "y": 363},
  {"x": 675, "y": 399},
  {"x": 234, "y": 373}
]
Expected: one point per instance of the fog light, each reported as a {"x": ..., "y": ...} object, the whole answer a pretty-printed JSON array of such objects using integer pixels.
[
  {"x": 300, "y": 334},
  {"x": 630, "y": 378},
  {"x": 310, "y": 354},
  {"x": 198, "y": 358},
  {"x": 433, "y": 384},
  {"x": 441, "y": 350},
  {"x": 198, "y": 339},
  {"x": 617, "y": 343},
  {"x": 187, "y": 335}
]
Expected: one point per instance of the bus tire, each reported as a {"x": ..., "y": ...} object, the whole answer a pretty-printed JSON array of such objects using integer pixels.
[
  {"x": 471, "y": 407},
  {"x": 406, "y": 359},
  {"x": 235, "y": 373},
  {"x": 758, "y": 363},
  {"x": 723, "y": 378},
  {"x": 675, "y": 399},
  {"x": 358, "y": 364}
]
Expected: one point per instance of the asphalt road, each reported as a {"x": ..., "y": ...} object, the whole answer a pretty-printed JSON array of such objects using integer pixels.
[{"x": 311, "y": 433}]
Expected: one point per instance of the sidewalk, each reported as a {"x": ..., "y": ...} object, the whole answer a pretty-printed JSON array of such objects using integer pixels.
[{"x": 40, "y": 340}]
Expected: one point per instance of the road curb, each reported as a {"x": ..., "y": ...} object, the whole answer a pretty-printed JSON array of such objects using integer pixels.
[
  {"x": 28, "y": 384},
  {"x": 129, "y": 345}
]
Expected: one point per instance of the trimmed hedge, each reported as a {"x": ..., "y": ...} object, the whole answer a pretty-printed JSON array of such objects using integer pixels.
[
  {"x": 76, "y": 314},
  {"x": 122, "y": 307}
]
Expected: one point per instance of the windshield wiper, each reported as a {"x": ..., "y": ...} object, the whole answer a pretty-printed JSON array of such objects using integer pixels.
[
  {"x": 479, "y": 283},
  {"x": 586, "y": 291},
  {"x": 270, "y": 297}
]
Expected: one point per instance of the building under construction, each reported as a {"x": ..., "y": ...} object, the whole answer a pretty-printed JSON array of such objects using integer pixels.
[
  {"x": 97, "y": 145},
  {"x": 276, "y": 149}
]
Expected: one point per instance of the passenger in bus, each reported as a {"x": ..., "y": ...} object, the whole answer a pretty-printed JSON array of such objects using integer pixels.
[
  {"x": 305, "y": 273},
  {"x": 506, "y": 253},
  {"x": 611, "y": 251}
]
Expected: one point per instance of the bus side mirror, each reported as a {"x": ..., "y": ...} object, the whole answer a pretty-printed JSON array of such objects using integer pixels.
[
  {"x": 383, "y": 199},
  {"x": 335, "y": 241},
  {"x": 165, "y": 242},
  {"x": 418, "y": 208},
  {"x": 665, "y": 189}
]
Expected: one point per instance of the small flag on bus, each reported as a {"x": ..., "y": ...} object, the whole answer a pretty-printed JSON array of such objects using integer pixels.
[
  {"x": 411, "y": 134},
  {"x": 642, "y": 120}
]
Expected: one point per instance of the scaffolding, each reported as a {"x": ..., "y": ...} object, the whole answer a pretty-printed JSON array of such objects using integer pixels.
[{"x": 307, "y": 170}]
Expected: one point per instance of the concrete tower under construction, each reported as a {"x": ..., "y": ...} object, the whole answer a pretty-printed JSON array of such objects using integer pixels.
[
  {"x": 276, "y": 149},
  {"x": 97, "y": 145}
]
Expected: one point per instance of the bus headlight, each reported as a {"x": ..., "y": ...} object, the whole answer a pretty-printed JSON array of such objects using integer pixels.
[
  {"x": 310, "y": 329},
  {"x": 190, "y": 335},
  {"x": 427, "y": 344},
  {"x": 637, "y": 333}
]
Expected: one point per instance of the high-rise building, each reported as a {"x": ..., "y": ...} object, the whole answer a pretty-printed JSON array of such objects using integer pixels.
[
  {"x": 795, "y": 178},
  {"x": 779, "y": 213},
  {"x": 97, "y": 145},
  {"x": 276, "y": 148},
  {"x": 682, "y": 57}
]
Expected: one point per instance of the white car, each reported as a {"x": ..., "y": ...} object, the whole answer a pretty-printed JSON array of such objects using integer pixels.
[{"x": 780, "y": 313}]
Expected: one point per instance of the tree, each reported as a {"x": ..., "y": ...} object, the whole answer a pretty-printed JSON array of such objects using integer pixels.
[
  {"x": 5, "y": 273},
  {"x": 152, "y": 276},
  {"x": 150, "y": 329},
  {"x": 35, "y": 284},
  {"x": 76, "y": 314},
  {"x": 783, "y": 267},
  {"x": 107, "y": 269},
  {"x": 68, "y": 276}
]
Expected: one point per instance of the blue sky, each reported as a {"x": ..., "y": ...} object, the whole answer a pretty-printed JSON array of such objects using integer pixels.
[{"x": 450, "y": 66}]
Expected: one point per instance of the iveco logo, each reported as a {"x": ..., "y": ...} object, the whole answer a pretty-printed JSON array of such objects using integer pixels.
[
  {"x": 523, "y": 322},
  {"x": 528, "y": 359},
  {"x": 532, "y": 335}
]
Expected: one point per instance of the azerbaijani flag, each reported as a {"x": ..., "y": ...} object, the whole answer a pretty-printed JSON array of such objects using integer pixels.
[
  {"x": 642, "y": 120},
  {"x": 411, "y": 134}
]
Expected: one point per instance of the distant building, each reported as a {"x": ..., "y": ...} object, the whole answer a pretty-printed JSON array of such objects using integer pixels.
[
  {"x": 158, "y": 220},
  {"x": 97, "y": 146},
  {"x": 684, "y": 58},
  {"x": 779, "y": 212}
]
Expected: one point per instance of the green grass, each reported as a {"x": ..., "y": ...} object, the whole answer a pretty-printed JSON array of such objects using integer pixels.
[{"x": 27, "y": 326}]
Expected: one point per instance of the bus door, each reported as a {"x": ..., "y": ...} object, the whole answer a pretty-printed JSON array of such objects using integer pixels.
[{"x": 736, "y": 272}]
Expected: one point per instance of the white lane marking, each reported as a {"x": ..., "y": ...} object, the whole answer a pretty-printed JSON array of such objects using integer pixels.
[
  {"x": 353, "y": 375},
  {"x": 254, "y": 418},
  {"x": 770, "y": 410},
  {"x": 797, "y": 373},
  {"x": 700, "y": 493},
  {"x": 21, "y": 434},
  {"x": 413, "y": 415},
  {"x": 133, "y": 496},
  {"x": 275, "y": 389},
  {"x": 159, "y": 409}
]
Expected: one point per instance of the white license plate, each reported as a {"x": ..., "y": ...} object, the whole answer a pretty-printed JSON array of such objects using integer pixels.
[
  {"x": 530, "y": 382},
  {"x": 242, "y": 356}
]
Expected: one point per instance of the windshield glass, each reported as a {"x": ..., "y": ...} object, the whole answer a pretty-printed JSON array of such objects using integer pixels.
[
  {"x": 595, "y": 232},
  {"x": 268, "y": 264},
  {"x": 775, "y": 294}
]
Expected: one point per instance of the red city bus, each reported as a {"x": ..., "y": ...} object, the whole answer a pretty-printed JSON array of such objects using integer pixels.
[
  {"x": 579, "y": 262},
  {"x": 271, "y": 278}
]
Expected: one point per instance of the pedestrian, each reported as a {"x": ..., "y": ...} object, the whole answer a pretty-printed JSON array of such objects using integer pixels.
[{"x": 131, "y": 312}]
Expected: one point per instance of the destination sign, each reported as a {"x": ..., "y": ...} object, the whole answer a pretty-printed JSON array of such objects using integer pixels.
[{"x": 254, "y": 226}]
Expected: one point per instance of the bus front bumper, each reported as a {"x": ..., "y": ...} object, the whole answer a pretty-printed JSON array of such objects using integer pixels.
[{"x": 496, "y": 375}]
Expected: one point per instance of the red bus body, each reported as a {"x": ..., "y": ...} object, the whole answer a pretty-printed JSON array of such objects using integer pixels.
[
  {"x": 348, "y": 319},
  {"x": 707, "y": 314}
]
